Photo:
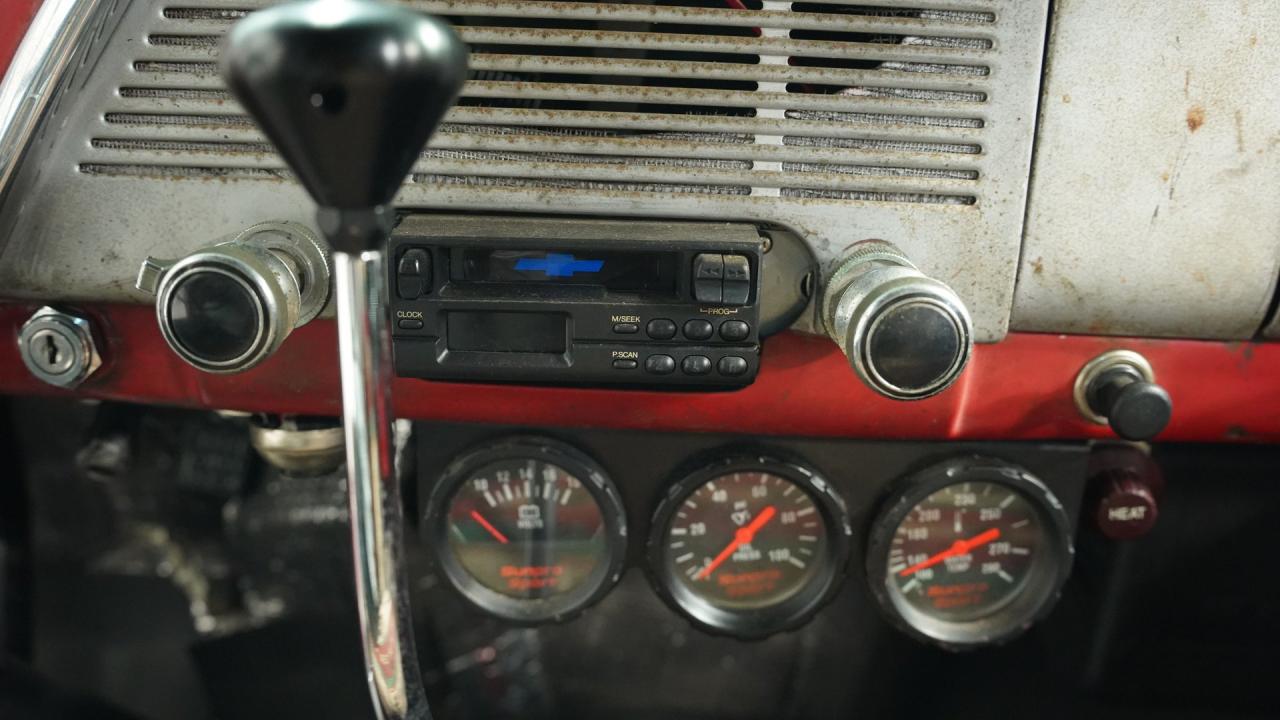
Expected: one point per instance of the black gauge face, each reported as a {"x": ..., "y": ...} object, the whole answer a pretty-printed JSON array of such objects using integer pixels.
[
  {"x": 972, "y": 553},
  {"x": 751, "y": 549},
  {"x": 746, "y": 540},
  {"x": 526, "y": 529},
  {"x": 966, "y": 550},
  {"x": 529, "y": 531}
]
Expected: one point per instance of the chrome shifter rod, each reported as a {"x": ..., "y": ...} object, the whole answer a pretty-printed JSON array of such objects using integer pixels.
[
  {"x": 373, "y": 495},
  {"x": 349, "y": 91}
]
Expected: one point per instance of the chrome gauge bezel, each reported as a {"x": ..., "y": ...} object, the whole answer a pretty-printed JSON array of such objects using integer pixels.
[
  {"x": 791, "y": 612},
  {"x": 1040, "y": 590},
  {"x": 529, "y": 611}
]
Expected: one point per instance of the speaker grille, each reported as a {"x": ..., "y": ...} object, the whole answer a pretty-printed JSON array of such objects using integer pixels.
[{"x": 883, "y": 103}]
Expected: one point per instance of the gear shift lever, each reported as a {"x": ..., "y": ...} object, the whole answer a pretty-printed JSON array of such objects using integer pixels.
[{"x": 349, "y": 91}]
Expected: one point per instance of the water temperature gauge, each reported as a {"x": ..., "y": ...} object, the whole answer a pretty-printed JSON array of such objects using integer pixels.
[
  {"x": 749, "y": 546},
  {"x": 528, "y": 529},
  {"x": 971, "y": 552}
]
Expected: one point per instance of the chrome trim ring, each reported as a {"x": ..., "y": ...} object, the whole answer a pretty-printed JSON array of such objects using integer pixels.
[
  {"x": 1100, "y": 364},
  {"x": 866, "y": 365},
  {"x": 301, "y": 246},
  {"x": 240, "y": 273}
]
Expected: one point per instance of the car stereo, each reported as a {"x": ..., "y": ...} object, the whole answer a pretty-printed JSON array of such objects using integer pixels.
[{"x": 576, "y": 301}]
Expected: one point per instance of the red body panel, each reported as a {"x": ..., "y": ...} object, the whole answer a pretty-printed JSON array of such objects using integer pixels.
[
  {"x": 1016, "y": 389},
  {"x": 15, "y": 16}
]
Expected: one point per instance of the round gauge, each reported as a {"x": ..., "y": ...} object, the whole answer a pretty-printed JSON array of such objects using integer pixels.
[
  {"x": 749, "y": 546},
  {"x": 972, "y": 553},
  {"x": 528, "y": 529}
]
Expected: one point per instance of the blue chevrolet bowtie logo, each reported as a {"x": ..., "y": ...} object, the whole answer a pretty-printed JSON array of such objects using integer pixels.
[{"x": 557, "y": 265}]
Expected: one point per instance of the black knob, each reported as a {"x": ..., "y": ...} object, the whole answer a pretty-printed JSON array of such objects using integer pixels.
[
  {"x": 348, "y": 91},
  {"x": 1135, "y": 407},
  {"x": 216, "y": 316}
]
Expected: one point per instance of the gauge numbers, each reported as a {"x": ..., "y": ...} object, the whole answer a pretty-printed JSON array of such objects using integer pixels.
[
  {"x": 971, "y": 553},
  {"x": 747, "y": 540},
  {"x": 528, "y": 530},
  {"x": 749, "y": 549},
  {"x": 965, "y": 550}
]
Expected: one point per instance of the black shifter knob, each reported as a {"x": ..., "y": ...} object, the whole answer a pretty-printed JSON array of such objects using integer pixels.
[
  {"x": 1119, "y": 388},
  {"x": 348, "y": 91}
]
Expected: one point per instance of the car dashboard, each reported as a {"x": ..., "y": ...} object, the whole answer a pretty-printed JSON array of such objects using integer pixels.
[{"x": 712, "y": 358}]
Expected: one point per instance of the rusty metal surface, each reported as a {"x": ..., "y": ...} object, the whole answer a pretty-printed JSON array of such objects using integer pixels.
[
  {"x": 914, "y": 126},
  {"x": 1152, "y": 207}
]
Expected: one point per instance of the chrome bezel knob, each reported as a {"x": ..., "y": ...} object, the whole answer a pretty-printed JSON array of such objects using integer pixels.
[
  {"x": 906, "y": 335},
  {"x": 282, "y": 272}
]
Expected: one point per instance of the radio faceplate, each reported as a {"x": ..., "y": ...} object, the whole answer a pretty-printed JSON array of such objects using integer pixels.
[{"x": 590, "y": 302}]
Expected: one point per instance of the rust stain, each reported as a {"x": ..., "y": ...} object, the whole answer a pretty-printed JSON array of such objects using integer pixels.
[
  {"x": 1253, "y": 41},
  {"x": 1164, "y": 176},
  {"x": 1066, "y": 98},
  {"x": 1099, "y": 327},
  {"x": 1073, "y": 289},
  {"x": 1200, "y": 277},
  {"x": 1195, "y": 118},
  {"x": 1037, "y": 266}
]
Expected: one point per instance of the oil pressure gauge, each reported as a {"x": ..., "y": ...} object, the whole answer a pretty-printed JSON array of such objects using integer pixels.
[
  {"x": 528, "y": 529},
  {"x": 749, "y": 546},
  {"x": 971, "y": 552}
]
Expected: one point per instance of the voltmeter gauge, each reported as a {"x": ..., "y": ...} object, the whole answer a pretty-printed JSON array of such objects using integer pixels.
[
  {"x": 528, "y": 529},
  {"x": 749, "y": 546},
  {"x": 971, "y": 552}
]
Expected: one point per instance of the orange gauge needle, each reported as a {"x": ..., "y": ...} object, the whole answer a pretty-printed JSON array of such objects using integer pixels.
[
  {"x": 492, "y": 530},
  {"x": 743, "y": 536},
  {"x": 959, "y": 547}
]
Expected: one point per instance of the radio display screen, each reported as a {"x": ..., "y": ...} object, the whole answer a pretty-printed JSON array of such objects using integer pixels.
[
  {"x": 638, "y": 273},
  {"x": 512, "y": 332}
]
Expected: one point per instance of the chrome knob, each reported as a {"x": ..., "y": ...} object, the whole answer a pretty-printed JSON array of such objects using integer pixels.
[
  {"x": 229, "y": 306},
  {"x": 907, "y": 335}
]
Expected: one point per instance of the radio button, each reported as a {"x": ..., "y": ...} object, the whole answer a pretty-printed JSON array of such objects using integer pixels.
[
  {"x": 409, "y": 324},
  {"x": 626, "y": 328},
  {"x": 734, "y": 330},
  {"x": 708, "y": 278},
  {"x": 413, "y": 274},
  {"x": 660, "y": 364},
  {"x": 732, "y": 365},
  {"x": 698, "y": 330},
  {"x": 661, "y": 329},
  {"x": 737, "y": 280},
  {"x": 696, "y": 365},
  {"x": 625, "y": 364}
]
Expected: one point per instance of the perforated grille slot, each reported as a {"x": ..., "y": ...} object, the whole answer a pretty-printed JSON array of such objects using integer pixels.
[{"x": 841, "y": 101}]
